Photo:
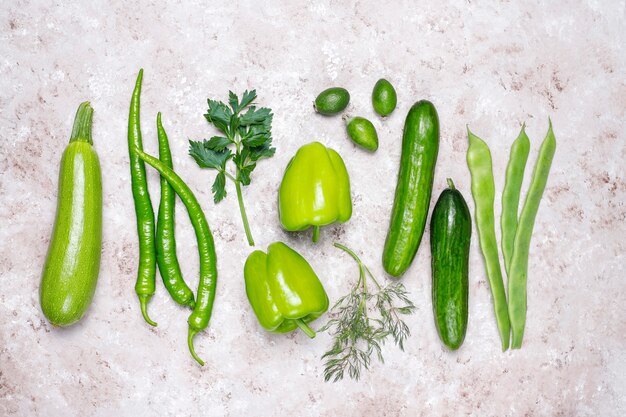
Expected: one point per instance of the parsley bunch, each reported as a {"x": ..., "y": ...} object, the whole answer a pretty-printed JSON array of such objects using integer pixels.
[{"x": 251, "y": 134}]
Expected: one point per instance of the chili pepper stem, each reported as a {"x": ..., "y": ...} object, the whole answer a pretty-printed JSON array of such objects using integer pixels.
[
  {"x": 305, "y": 328},
  {"x": 244, "y": 216},
  {"x": 190, "y": 336},
  {"x": 143, "y": 304},
  {"x": 316, "y": 234}
]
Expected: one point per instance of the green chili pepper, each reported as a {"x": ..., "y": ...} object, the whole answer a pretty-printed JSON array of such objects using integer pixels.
[
  {"x": 519, "y": 262},
  {"x": 199, "y": 318},
  {"x": 483, "y": 191},
  {"x": 145, "y": 285},
  {"x": 510, "y": 194},
  {"x": 165, "y": 236}
]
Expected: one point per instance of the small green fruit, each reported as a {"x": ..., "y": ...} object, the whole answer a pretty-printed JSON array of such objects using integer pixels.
[
  {"x": 332, "y": 101},
  {"x": 384, "y": 97},
  {"x": 363, "y": 133}
]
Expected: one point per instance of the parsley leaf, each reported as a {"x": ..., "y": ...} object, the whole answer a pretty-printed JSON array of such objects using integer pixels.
[
  {"x": 254, "y": 116},
  {"x": 217, "y": 143},
  {"x": 219, "y": 115},
  {"x": 209, "y": 158},
  {"x": 219, "y": 187},
  {"x": 233, "y": 101},
  {"x": 261, "y": 152},
  {"x": 247, "y": 98},
  {"x": 244, "y": 174}
]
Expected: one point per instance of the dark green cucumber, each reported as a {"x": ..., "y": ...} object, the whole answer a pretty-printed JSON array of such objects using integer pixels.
[
  {"x": 420, "y": 145},
  {"x": 450, "y": 233},
  {"x": 71, "y": 270}
]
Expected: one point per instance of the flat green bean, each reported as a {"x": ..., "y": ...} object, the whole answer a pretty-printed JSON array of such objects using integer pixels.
[
  {"x": 511, "y": 193},
  {"x": 483, "y": 192},
  {"x": 519, "y": 261}
]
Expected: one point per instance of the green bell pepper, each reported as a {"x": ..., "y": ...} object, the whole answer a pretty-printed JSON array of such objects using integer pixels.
[
  {"x": 283, "y": 290},
  {"x": 315, "y": 190}
]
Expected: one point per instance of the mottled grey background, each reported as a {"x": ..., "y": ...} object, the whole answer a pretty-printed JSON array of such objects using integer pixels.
[{"x": 492, "y": 65}]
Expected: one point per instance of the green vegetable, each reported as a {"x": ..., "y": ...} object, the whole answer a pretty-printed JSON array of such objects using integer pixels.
[
  {"x": 510, "y": 195},
  {"x": 332, "y": 101},
  {"x": 315, "y": 190},
  {"x": 420, "y": 145},
  {"x": 251, "y": 134},
  {"x": 363, "y": 133},
  {"x": 362, "y": 321},
  {"x": 283, "y": 290},
  {"x": 199, "y": 318},
  {"x": 483, "y": 191},
  {"x": 450, "y": 233},
  {"x": 70, "y": 273},
  {"x": 146, "y": 273},
  {"x": 165, "y": 236},
  {"x": 384, "y": 97},
  {"x": 519, "y": 262}
]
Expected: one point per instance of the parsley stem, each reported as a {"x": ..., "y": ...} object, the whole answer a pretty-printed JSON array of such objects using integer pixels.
[
  {"x": 244, "y": 216},
  {"x": 229, "y": 175}
]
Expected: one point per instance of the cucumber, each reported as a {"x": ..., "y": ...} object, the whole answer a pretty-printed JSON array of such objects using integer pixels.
[
  {"x": 71, "y": 269},
  {"x": 420, "y": 145},
  {"x": 450, "y": 233},
  {"x": 332, "y": 101}
]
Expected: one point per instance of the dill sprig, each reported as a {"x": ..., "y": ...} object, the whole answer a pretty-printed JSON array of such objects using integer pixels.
[{"x": 358, "y": 334}]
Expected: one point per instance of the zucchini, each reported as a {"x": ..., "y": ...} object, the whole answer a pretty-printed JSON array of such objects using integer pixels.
[
  {"x": 420, "y": 145},
  {"x": 71, "y": 269},
  {"x": 450, "y": 233}
]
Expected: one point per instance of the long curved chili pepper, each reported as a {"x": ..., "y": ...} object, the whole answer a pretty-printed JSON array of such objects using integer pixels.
[
  {"x": 199, "y": 318},
  {"x": 483, "y": 191},
  {"x": 165, "y": 236},
  {"x": 510, "y": 195},
  {"x": 519, "y": 262},
  {"x": 145, "y": 285}
]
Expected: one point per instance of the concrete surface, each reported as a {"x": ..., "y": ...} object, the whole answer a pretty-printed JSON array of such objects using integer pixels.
[{"x": 492, "y": 65}]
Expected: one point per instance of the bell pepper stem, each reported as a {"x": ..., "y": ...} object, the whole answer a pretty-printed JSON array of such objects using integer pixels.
[
  {"x": 305, "y": 328},
  {"x": 191, "y": 333},
  {"x": 316, "y": 234},
  {"x": 244, "y": 216}
]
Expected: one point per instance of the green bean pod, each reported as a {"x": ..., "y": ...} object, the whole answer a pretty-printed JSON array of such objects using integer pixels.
[
  {"x": 519, "y": 262},
  {"x": 483, "y": 191},
  {"x": 511, "y": 193},
  {"x": 199, "y": 318},
  {"x": 167, "y": 260},
  {"x": 146, "y": 273}
]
